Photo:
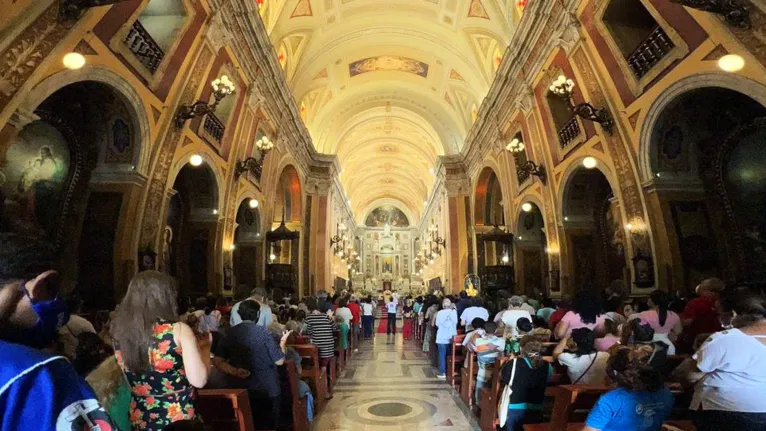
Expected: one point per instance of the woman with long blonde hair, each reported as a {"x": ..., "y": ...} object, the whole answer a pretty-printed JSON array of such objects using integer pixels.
[{"x": 163, "y": 360}]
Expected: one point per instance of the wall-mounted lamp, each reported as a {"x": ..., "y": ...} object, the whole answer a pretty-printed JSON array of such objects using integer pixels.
[
  {"x": 733, "y": 11},
  {"x": 195, "y": 160},
  {"x": 222, "y": 87},
  {"x": 263, "y": 145},
  {"x": 253, "y": 203},
  {"x": 564, "y": 88},
  {"x": 529, "y": 167},
  {"x": 526, "y": 207},
  {"x": 73, "y": 60},
  {"x": 589, "y": 162}
]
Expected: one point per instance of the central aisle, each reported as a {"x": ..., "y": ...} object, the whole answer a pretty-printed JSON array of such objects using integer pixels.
[{"x": 392, "y": 387}]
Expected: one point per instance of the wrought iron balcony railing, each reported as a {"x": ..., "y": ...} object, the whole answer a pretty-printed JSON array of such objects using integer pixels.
[
  {"x": 569, "y": 132},
  {"x": 653, "y": 49},
  {"x": 143, "y": 46},
  {"x": 214, "y": 127}
]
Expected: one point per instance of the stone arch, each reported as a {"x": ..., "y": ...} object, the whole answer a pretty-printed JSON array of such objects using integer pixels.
[
  {"x": 734, "y": 82},
  {"x": 289, "y": 195},
  {"x": 122, "y": 87},
  {"x": 488, "y": 196},
  {"x": 208, "y": 156}
]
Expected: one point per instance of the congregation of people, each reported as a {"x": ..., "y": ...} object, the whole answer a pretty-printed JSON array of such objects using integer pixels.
[
  {"x": 606, "y": 338},
  {"x": 140, "y": 366}
]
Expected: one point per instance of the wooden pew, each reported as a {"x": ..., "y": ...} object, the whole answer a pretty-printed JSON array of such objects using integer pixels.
[
  {"x": 315, "y": 375},
  {"x": 455, "y": 361},
  {"x": 299, "y": 404},
  {"x": 489, "y": 397},
  {"x": 468, "y": 378},
  {"x": 225, "y": 409}
]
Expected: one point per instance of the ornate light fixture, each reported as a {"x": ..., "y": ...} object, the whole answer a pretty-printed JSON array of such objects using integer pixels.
[
  {"x": 222, "y": 87},
  {"x": 264, "y": 145},
  {"x": 339, "y": 240},
  {"x": 564, "y": 88},
  {"x": 515, "y": 147},
  {"x": 71, "y": 10},
  {"x": 733, "y": 11}
]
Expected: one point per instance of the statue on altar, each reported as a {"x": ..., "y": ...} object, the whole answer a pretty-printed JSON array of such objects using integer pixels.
[
  {"x": 387, "y": 231},
  {"x": 472, "y": 284}
]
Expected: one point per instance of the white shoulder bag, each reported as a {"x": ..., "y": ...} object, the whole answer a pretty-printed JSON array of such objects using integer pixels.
[{"x": 505, "y": 397}]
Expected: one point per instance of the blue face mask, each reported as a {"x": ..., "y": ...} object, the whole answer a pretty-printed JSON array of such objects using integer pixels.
[{"x": 51, "y": 315}]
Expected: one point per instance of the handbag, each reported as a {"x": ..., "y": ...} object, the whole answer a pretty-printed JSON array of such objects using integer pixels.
[{"x": 505, "y": 397}]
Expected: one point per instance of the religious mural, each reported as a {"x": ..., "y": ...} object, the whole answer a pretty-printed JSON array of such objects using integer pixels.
[
  {"x": 388, "y": 63},
  {"x": 387, "y": 215},
  {"x": 32, "y": 179}
]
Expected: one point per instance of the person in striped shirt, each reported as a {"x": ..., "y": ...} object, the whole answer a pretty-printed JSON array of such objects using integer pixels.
[{"x": 321, "y": 329}]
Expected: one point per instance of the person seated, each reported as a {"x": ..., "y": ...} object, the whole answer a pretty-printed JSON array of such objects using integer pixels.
[
  {"x": 546, "y": 310},
  {"x": 528, "y": 375},
  {"x": 37, "y": 389},
  {"x": 641, "y": 401},
  {"x": 524, "y": 327},
  {"x": 488, "y": 348},
  {"x": 637, "y": 333},
  {"x": 585, "y": 313},
  {"x": 612, "y": 336},
  {"x": 478, "y": 325},
  {"x": 540, "y": 329},
  {"x": 513, "y": 314},
  {"x": 585, "y": 365}
]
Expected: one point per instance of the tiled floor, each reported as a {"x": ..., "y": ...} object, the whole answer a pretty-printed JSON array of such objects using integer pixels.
[{"x": 392, "y": 387}]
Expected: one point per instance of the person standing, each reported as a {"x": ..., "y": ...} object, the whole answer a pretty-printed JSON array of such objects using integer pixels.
[
  {"x": 701, "y": 315},
  {"x": 446, "y": 324},
  {"x": 368, "y": 317},
  {"x": 391, "y": 308},
  {"x": 251, "y": 347},
  {"x": 666, "y": 324},
  {"x": 356, "y": 321},
  {"x": 321, "y": 329},
  {"x": 164, "y": 361}
]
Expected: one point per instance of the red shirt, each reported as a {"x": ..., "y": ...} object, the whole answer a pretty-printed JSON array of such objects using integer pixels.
[
  {"x": 356, "y": 312},
  {"x": 705, "y": 316},
  {"x": 556, "y": 317}
]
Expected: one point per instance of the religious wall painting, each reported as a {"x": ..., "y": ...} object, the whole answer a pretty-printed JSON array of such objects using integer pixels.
[
  {"x": 393, "y": 63},
  {"x": 388, "y": 265},
  {"x": 33, "y": 178},
  {"x": 387, "y": 215},
  {"x": 119, "y": 147}
]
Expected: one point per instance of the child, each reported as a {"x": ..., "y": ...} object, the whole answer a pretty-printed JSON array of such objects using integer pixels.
[
  {"x": 343, "y": 329},
  {"x": 488, "y": 348},
  {"x": 541, "y": 330}
]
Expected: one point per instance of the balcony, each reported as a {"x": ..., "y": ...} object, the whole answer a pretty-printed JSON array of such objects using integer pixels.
[
  {"x": 653, "y": 49},
  {"x": 256, "y": 172},
  {"x": 144, "y": 47},
  {"x": 569, "y": 132},
  {"x": 522, "y": 175},
  {"x": 214, "y": 127}
]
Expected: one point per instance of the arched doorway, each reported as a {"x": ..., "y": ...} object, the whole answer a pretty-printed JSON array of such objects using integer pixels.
[
  {"x": 55, "y": 184},
  {"x": 191, "y": 224},
  {"x": 530, "y": 244},
  {"x": 248, "y": 254},
  {"x": 594, "y": 232},
  {"x": 283, "y": 243},
  {"x": 706, "y": 158},
  {"x": 494, "y": 243}
]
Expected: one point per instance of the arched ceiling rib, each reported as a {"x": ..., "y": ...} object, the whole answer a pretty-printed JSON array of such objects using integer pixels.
[{"x": 389, "y": 85}]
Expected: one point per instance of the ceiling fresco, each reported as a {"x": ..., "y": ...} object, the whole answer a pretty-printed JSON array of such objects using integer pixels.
[{"x": 389, "y": 85}]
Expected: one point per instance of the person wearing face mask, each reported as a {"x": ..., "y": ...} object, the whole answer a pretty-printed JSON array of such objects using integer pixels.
[
  {"x": 38, "y": 390},
  {"x": 730, "y": 372}
]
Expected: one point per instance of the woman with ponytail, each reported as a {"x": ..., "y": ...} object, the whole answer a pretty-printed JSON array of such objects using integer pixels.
[
  {"x": 529, "y": 381},
  {"x": 666, "y": 324}
]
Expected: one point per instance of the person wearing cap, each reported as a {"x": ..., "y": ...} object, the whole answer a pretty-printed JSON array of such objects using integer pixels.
[{"x": 446, "y": 322}]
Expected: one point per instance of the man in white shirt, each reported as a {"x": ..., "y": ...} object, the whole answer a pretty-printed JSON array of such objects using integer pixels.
[
  {"x": 395, "y": 296},
  {"x": 525, "y": 305},
  {"x": 368, "y": 317},
  {"x": 259, "y": 296},
  {"x": 391, "y": 308},
  {"x": 514, "y": 313},
  {"x": 473, "y": 311}
]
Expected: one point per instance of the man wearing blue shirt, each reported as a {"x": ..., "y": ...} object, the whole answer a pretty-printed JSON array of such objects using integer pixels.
[{"x": 37, "y": 390}]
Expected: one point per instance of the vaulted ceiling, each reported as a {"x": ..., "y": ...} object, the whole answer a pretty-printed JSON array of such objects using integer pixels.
[{"x": 389, "y": 85}]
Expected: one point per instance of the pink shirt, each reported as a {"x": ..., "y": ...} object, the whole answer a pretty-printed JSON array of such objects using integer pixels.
[
  {"x": 603, "y": 344},
  {"x": 652, "y": 317},
  {"x": 573, "y": 321}
]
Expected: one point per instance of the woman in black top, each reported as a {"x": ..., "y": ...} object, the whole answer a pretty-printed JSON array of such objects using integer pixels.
[{"x": 532, "y": 375}]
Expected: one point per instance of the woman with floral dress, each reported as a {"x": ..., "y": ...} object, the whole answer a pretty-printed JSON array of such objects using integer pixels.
[{"x": 162, "y": 359}]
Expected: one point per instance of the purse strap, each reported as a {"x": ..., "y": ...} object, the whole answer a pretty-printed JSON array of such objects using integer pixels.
[
  {"x": 587, "y": 369},
  {"x": 513, "y": 373}
]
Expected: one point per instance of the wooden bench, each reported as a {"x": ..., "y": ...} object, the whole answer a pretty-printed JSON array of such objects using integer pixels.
[
  {"x": 299, "y": 405},
  {"x": 315, "y": 375},
  {"x": 455, "y": 361},
  {"x": 468, "y": 378},
  {"x": 225, "y": 409}
]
